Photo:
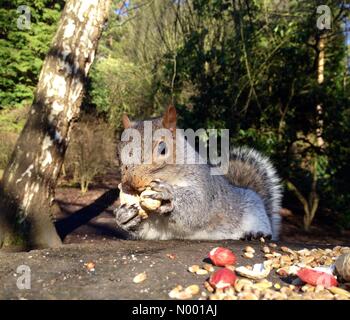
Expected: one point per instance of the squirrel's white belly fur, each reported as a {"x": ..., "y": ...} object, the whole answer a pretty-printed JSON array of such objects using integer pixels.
[{"x": 253, "y": 219}]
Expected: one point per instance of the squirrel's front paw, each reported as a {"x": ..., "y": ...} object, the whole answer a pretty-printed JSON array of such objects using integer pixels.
[
  {"x": 164, "y": 190},
  {"x": 165, "y": 194},
  {"x": 127, "y": 217}
]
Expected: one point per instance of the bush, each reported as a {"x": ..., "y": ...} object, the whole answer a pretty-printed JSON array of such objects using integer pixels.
[
  {"x": 119, "y": 87},
  {"x": 7, "y": 144},
  {"x": 91, "y": 151},
  {"x": 11, "y": 124}
]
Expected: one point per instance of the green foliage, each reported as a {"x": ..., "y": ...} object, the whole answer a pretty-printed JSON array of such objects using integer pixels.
[
  {"x": 7, "y": 142},
  {"x": 134, "y": 51},
  {"x": 90, "y": 153},
  {"x": 247, "y": 66},
  {"x": 21, "y": 56},
  {"x": 255, "y": 70},
  {"x": 129, "y": 92},
  {"x": 23, "y": 51},
  {"x": 11, "y": 123}
]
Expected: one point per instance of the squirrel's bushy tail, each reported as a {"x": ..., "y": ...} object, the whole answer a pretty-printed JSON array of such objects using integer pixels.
[{"x": 249, "y": 169}]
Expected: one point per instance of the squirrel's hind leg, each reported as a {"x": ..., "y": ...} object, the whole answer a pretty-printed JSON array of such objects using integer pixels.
[
  {"x": 255, "y": 225},
  {"x": 256, "y": 236}
]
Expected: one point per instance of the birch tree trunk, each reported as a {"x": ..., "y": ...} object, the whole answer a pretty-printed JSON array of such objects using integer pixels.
[{"x": 27, "y": 187}]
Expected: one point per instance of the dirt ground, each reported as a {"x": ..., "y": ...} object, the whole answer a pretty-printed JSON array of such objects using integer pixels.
[{"x": 96, "y": 263}]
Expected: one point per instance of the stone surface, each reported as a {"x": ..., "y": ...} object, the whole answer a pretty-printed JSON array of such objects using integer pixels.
[{"x": 64, "y": 273}]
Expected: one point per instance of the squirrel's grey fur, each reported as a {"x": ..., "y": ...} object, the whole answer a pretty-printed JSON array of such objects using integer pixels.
[
  {"x": 250, "y": 169},
  {"x": 245, "y": 202}
]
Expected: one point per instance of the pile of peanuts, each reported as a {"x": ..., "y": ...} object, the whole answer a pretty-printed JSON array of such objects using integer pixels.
[{"x": 252, "y": 284}]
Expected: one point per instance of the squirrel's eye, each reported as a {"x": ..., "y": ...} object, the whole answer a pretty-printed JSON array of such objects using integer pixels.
[{"x": 162, "y": 148}]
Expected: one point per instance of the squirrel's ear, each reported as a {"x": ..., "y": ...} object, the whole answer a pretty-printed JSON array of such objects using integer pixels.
[
  {"x": 126, "y": 121},
  {"x": 169, "y": 118}
]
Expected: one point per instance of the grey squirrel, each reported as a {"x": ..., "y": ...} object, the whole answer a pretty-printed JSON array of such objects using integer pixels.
[{"x": 243, "y": 204}]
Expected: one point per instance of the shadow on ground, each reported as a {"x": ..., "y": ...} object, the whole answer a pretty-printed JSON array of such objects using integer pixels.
[{"x": 86, "y": 216}]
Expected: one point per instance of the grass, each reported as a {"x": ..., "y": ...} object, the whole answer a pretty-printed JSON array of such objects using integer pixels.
[
  {"x": 11, "y": 124},
  {"x": 13, "y": 120}
]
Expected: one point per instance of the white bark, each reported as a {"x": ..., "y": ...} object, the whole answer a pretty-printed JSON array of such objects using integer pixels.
[{"x": 29, "y": 181}]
